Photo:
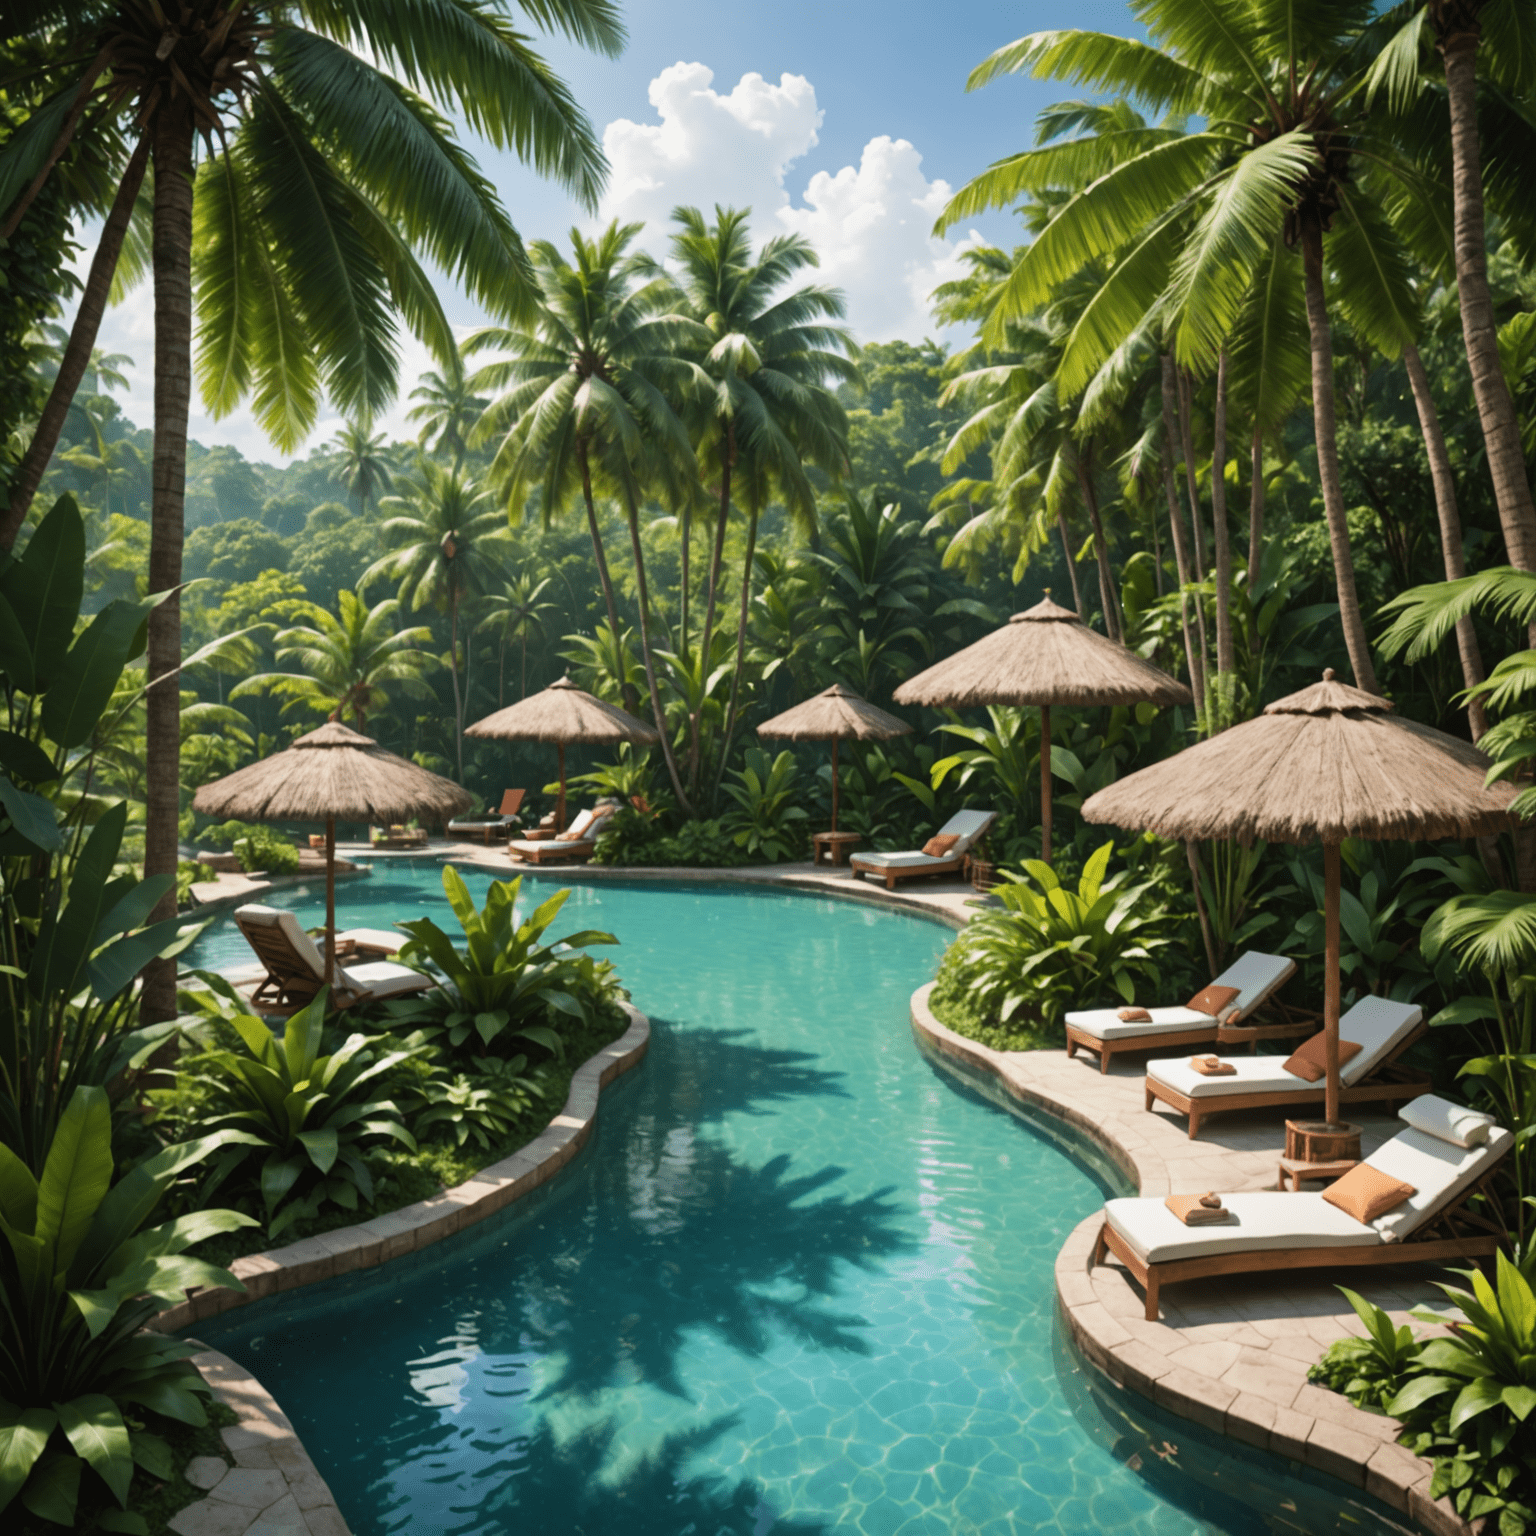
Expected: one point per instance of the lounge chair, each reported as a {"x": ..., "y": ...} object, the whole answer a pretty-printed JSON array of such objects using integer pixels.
[
  {"x": 1303, "y": 1231},
  {"x": 587, "y": 827},
  {"x": 397, "y": 837},
  {"x": 968, "y": 826},
  {"x": 296, "y": 967},
  {"x": 1256, "y": 976},
  {"x": 1382, "y": 1028},
  {"x": 490, "y": 828}
]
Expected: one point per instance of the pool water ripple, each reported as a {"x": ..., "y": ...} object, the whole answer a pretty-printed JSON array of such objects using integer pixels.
[{"x": 799, "y": 1283}]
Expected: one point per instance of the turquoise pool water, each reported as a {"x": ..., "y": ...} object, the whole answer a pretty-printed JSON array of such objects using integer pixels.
[{"x": 799, "y": 1282}]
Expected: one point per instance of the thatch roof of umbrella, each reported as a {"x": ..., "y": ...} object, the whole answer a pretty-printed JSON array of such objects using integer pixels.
[
  {"x": 332, "y": 773},
  {"x": 1045, "y": 655},
  {"x": 564, "y": 713},
  {"x": 834, "y": 712},
  {"x": 1324, "y": 764}
]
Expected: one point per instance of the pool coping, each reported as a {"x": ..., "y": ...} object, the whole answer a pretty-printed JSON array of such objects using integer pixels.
[
  {"x": 1336, "y": 1438},
  {"x": 370, "y": 1243}
]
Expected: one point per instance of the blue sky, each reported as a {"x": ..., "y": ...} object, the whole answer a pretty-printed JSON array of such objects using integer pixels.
[{"x": 844, "y": 120}]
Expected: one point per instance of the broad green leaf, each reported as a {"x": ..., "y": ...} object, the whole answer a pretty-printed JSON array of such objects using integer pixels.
[
  {"x": 44, "y": 588},
  {"x": 65, "y": 941},
  {"x": 18, "y": 1192},
  {"x": 53, "y": 1490},
  {"x": 23, "y": 1437},
  {"x": 76, "y": 1174},
  {"x": 15, "y": 662},
  {"x": 95, "y": 1428},
  {"x": 32, "y": 816},
  {"x": 74, "y": 703}
]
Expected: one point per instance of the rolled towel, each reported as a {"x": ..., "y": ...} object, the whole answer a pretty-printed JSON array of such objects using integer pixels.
[
  {"x": 1212, "y": 1066},
  {"x": 1134, "y": 1016},
  {"x": 1197, "y": 1210}
]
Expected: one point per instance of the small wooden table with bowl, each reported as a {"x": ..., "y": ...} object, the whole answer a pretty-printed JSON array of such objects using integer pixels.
[{"x": 836, "y": 846}]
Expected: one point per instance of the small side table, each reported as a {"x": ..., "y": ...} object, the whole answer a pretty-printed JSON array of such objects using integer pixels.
[
  {"x": 1315, "y": 1141},
  {"x": 1293, "y": 1170},
  {"x": 835, "y": 845}
]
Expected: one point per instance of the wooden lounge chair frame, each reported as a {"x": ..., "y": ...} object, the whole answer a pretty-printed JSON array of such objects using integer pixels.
[
  {"x": 554, "y": 851},
  {"x": 289, "y": 985},
  {"x": 1454, "y": 1234},
  {"x": 489, "y": 828},
  {"x": 1387, "y": 1083},
  {"x": 1273, "y": 1020},
  {"x": 412, "y": 837}
]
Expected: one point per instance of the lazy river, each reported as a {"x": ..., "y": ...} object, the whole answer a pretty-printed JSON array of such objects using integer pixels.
[{"x": 799, "y": 1282}]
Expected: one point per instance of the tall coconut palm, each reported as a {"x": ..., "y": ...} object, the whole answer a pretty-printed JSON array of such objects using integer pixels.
[
  {"x": 362, "y": 467},
  {"x": 766, "y": 411},
  {"x": 351, "y": 660},
  {"x": 1288, "y": 152},
  {"x": 448, "y": 411},
  {"x": 449, "y": 538},
  {"x": 514, "y": 614},
  {"x": 335, "y": 167},
  {"x": 588, "y": 395}
]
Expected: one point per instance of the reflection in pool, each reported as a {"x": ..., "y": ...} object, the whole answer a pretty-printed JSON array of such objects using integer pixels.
[{"x": 798, "y": 1282}]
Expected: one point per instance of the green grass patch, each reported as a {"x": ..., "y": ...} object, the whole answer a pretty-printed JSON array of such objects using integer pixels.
[{"x": 955, "y": 1007}]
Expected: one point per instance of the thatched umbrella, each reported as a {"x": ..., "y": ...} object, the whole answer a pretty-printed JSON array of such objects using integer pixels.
[
  {"x": 1324, "y": 764},
  {"x": 1043, "y": 656},
  {"x": 835, "y": 712},
  {"x": 564, "y": 713},
  {"x": 332, "y": 774}
]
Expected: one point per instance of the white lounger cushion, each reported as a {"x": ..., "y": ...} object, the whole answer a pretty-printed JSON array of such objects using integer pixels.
[
  {"x": 1255, "y": 975},
  {"x": 1268, "y": 1219},
  {"x": 1450, "y": 1122},
  {"x": 1376, "y": 1024},
  {"x": 382, "y": 978},
  {"x": 965, "y": 825},
  {"x": 258, "y": 916},
  {"x": 374, "y": 938}
]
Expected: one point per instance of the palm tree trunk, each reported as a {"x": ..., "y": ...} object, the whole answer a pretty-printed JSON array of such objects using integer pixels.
[
  {"x": 77, "y": 352},
  {"x": 741, "y": 649},
  {"x": 1066, "y": 551},
  {"x": 1180, "y": 554},
  {"x": 1450, "y": 530},
  {"x": 1495, "y": 408},
  {"x": 716, "y": 559},
  {"x": 1112, "y": 625},
  {"x": 1186, "y": 402},
  {"x": 1325, "y": 430},
  {"x": 1255, "y": 507},
  {"x": 172, "y": 259},
  {"x": 602, "y": 567},
  {"x": 453, "y": 672},
  {"x": 1226, "y": 657},
  {"x": 643, "y": 592},
  {"x": 685, "y": 517}
]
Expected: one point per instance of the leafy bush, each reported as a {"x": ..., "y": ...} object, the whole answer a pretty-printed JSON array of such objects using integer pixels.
[
  {"x": 1051, "y": 949},
  {"x": 481, "y": 1107},
  {"x": 505, "y": 984},
  {"x": 767, "y": 823},
  {"x": 258, "y": 847},
  {"x": 80, "y": 1275},
  {"x": 305, "y": 1117},
  {"x": 633, "y": 839},
  {"x": 1465, "y": 1401}
]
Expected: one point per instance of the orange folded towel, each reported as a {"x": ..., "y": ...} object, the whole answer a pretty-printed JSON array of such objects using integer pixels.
[
  {"x": 1199, "y": 1210},
  {"x": 1134, "y": 1016},
  {"x": 1212, "y": 1066}
]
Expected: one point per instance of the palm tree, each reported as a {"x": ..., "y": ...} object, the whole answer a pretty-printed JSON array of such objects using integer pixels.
[
  {"x": 448, "y": 537},
  {"x": 362, "y": 467},
  {"x": 588, "y": 398},
  {"x": 300, "y": 236},
  {"x": 1288, "y": 153},
  {"x": 514, "y": 615},
  {"x": 448, "y": 411},
  {"x": 350, "y": 660},
  {"x": 766, "y": 410}
]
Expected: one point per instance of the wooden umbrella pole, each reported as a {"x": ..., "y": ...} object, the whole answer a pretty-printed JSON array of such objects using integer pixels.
[
  {"x": 1045, "y": 782},
  {"x": 330, "y": 900},
  {"x": 834, "y": 783},
  {"x": 560, "y": 809},
  {"x": 1331, "y": 978}
]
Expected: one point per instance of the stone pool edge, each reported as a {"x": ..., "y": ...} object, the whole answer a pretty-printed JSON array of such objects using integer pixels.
[
  {"x": 417, "y": 1226},
  {"x": 1383, "y": 1469}
]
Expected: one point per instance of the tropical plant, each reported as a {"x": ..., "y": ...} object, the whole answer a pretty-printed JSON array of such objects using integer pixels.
[
  {"x": 351, "y": 659},
  {"x": 1051, "y": 948},
  {"x": 300, "y": 239},
  {"x": 308, "y": 1118},
  {"x": 1368, "y": 1371},
  {"x": 81, "y": 1273},
  {"x": 449, "y": 409},
  {"x": 506, "y": 985},
  {"x": 766, "y": 824},
  {"x": 515, "y": 614},
  {"x": 482, "y": 1107},
  {"x": 448, "y": 540},
  {"x": 362, "y": 466},
  {"x": 256, "y": 845}
]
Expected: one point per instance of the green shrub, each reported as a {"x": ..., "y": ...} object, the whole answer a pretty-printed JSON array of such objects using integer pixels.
[
  {"x": 305, "y": 1118},
  {"x": 767, "y": 824},
  {"x": 81, "y": 1273},
  {"x": 258, "y": 847},
  {"x": 482, "y": 1106},
  {"x": 505, "y": 985},
  {"x": 1052, "y": 949}
]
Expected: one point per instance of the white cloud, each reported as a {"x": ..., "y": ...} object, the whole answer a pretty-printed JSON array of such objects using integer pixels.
[{"x": 870, "y": 223}]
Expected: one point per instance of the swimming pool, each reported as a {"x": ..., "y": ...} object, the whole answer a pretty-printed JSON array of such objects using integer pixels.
[{"x": 798, "y": 1282}]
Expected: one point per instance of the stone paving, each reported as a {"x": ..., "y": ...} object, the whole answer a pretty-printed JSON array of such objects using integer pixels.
[
  {"x": 273, "y": 1488},
  {"x": 1231, "y": 1353}
]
